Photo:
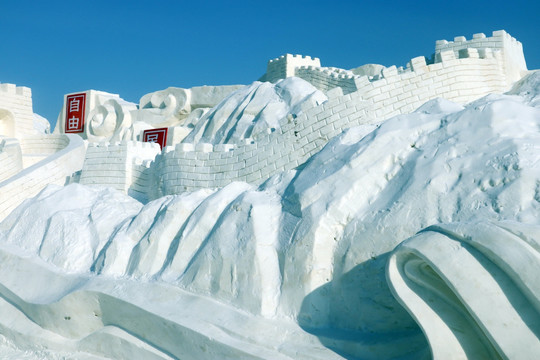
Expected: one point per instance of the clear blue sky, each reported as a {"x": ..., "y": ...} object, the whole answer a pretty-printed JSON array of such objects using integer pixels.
[{"x": 135, "y": 47}]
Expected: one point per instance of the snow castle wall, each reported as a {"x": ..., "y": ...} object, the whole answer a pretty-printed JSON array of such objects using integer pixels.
[
  {"x": 186, "y": 167},
  {"x": 285, "y": 66},
  {"x": 463, "y": 70},
  {"x": 54, "y": 169},
  {"x": 460, "y": 76},
  {"x": 121, "y": 165},
  {"x": 510, "y": 66},
  {"x": 512, "y": 51},
  {"x": 16, "y": 115}
]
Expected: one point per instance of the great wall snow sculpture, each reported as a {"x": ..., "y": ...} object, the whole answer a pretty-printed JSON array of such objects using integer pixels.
[
  {"x": 319, "y": 213},
  {"x": 462, "y": 71}
]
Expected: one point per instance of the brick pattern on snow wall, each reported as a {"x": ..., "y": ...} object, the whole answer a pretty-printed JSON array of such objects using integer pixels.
[
  {"x": 511, "y": 60},
  {"x": 467, "y": 77},
  {"x": 460, "y": 73},
  {"x": 18, "y": 101},
  {"x": 120, "y": 165}
]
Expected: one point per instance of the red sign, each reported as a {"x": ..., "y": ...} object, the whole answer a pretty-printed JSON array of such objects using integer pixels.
[
  {"x": 156, "y": 136},
  {"x": 75, "y": 105}
]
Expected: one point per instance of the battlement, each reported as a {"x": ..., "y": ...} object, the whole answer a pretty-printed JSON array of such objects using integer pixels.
[
  {"x": 123, "y": 145},
  {"x": 460, "y": 75},
  {"x": 16, "y": 114},
  {"x": 120, "y": 165},
  {"x": 13, "y": 89},
  {"x": 327, "y": 78},
  {"x": 285, "y": 65},
  {"x": 461, "y": 71},
  {"x": 296, "y": 57},
  {"x": 512, "y": 58},
  {"x": 330, "y": 71},
  {"x": 505, "y": 48},
  {"x": 496, "y": 41}
]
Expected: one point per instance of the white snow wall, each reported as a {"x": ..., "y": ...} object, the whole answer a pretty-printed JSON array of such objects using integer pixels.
[
  {"x": 54, "y": 169},
  {"x": 471, "y": 74},
  {"x": 16, "y": 116},
  {"x": 326, "y": 78}
]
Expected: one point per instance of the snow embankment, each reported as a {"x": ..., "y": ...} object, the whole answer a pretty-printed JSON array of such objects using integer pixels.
[{"x": 310, "y": 247}]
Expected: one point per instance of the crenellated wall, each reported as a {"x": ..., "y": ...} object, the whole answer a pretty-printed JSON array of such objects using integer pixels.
[
  {"x": 16, "y": 115},
  {"x": 467, "y": 77},
  {"x": 326, "y": 79},
  {"x": 186, "y": 167},
  {"x": 285, "y": 66},
  {"x": 510, "y": 64},
  {"x": 118, "y": 165},
  {"x": 512, "y": 51},
  {"x": 460, "y": 79},
  {"x": 459, "y": 74},
  {"x": 463, "y": 71}
]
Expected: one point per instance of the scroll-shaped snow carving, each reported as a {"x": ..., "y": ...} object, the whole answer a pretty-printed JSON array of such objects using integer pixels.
[
  {"x": 110, "y": 121},
  {"x": 173, "y": 106},
  {"x": 472, "y": 288},
  {"x": 165, "y": 107}
]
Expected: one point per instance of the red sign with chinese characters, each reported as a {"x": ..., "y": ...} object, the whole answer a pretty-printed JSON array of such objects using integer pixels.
[
  {"x": 157, "y": 136},
  {"x": 75, "y": 105}
]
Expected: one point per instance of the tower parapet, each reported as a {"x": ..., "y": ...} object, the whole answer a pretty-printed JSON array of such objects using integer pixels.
[
  {"x": 285, "y": 66},
  {"x": 16, "y": 114},
  {"x": 514, "y": 65}
]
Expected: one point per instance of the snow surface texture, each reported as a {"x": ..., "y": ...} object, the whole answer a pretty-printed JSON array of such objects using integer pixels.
[
  {"x": 252, "y": 110},
  {"x": 417, "y": 238}
]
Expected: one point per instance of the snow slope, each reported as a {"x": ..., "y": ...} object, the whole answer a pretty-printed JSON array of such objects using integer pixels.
[
  {"x": 393, "y": 241},
  {"x": 252, "y": 110}
]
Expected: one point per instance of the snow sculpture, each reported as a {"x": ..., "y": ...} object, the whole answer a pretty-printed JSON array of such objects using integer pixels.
[
  {"x": 173, "y": 105},
  {"x": 96, "y": 116},
  {"x": 372, "y": 213},
  {"x": 285, "y": 66},
  {"x": 371, "y": 95},
  {"x": 472, "y": 288},
  {"x": 16, "y": 115},
  {"x": 111, "y": 121},
  {"x": 252, "y": 110}
]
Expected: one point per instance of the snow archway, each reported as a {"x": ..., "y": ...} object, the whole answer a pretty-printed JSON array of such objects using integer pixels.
[{"x": 7, "y": 123}]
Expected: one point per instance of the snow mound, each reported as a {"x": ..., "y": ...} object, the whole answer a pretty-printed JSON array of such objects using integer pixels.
[{"x": 252, "y": 110}]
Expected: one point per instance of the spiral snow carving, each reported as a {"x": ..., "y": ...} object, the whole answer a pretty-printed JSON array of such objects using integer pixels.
[
  {"x": 451, "y": 278},
  {"x": 166, "y": 107},
  {"x": 110, "y": 121}
]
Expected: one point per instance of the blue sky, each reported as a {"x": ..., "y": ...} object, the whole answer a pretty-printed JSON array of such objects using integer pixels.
[{"x": 132, "y": 48}]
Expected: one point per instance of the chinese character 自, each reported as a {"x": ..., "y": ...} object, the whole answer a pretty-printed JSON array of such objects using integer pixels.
[{"x": 74, "y": 105}]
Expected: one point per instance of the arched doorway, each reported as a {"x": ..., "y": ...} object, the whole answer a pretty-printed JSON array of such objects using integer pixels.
[{"x": 7, "y": 123}]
